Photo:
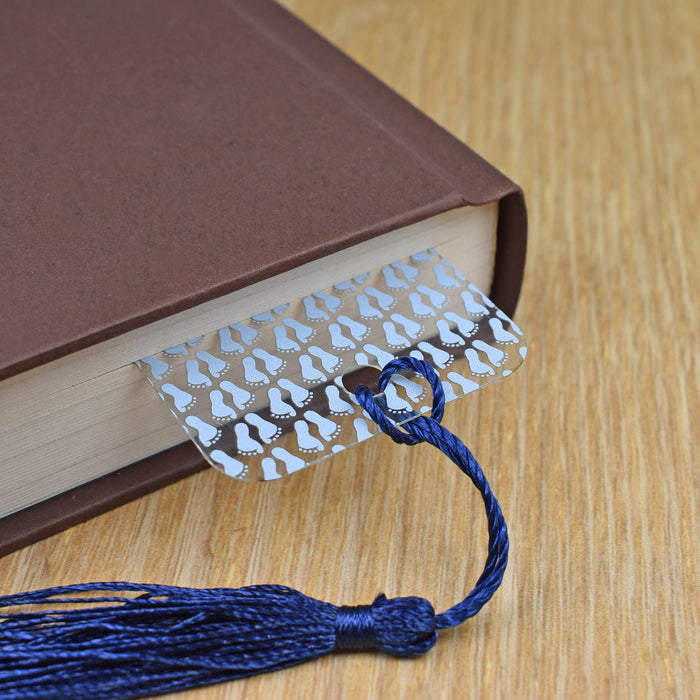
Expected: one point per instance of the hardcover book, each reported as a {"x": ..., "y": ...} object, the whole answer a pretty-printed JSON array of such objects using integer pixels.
[{"x": 171, "y": 167}]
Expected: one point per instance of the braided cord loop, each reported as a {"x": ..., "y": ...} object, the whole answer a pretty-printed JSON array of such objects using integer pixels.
[{"x": 428, "y": 429}]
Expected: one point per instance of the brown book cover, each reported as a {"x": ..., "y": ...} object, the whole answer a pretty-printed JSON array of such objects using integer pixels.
[{"x": 159, "y": 154}]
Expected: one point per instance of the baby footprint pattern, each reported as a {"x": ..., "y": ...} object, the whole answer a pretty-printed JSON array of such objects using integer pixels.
[{"x": 263, "y": 397}]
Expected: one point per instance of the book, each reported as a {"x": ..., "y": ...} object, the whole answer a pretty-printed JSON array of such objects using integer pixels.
[{"x": 172, "y": 167}]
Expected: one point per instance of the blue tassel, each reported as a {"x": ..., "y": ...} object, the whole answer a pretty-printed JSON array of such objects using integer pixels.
[
  {"x": 168, "y": 638},
  {"x": 125, "y": 640}
]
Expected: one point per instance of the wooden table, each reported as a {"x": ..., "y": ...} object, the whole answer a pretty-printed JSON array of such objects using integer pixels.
[{"x": 592, "y": 446}]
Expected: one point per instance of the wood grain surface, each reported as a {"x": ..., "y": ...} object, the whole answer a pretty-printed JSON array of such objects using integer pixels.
[{"x": 591, "y": 447}]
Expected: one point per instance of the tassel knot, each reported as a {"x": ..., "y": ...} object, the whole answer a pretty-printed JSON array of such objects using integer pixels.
[
  {"x": 397, "y": 626},
  {"x": 354, "y": 628},
  {"x": 405, "y": 626}
]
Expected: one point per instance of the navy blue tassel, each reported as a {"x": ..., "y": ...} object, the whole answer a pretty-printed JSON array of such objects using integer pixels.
[
  {"x": 125, "y": 640},
  {"x": 168, "y": 638}
]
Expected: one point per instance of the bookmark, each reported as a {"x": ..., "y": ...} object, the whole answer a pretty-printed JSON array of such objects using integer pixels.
[
  {"x": 272, "y": 394},
  {"x": 136, "y": 640}
]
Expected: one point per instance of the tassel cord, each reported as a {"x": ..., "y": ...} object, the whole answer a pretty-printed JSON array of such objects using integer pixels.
[
  {"x": 126, "y": 640},
  {"x": 423, "y": 429}
]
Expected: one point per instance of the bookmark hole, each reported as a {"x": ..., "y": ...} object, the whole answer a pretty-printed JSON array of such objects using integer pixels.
[{"x": 367, "y": 375}]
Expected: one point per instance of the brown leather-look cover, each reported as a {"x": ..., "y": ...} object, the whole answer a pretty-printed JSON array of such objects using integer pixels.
[{"x": 159, "y": 153}]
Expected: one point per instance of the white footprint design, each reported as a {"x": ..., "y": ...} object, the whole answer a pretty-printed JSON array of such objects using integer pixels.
[
  {"x": 219, "y": 410},
  {"x": 392, "y": 336},
  {"x": 357, "y": 330},
  {"x": 299, "y": 395},
  {"x": 336, "y": 404},
  {"x": 329, "y": 362},
  {"x": 332, "y": 303},
  {"x": 500, "y": 334},
  {"x": 394, "y": 402},
  {"x": 244, "y": 443},
  {"x": 412, "y": 328},
  {"x": 382, "y": 356},
  {"x": 465, "y": 385},
  {"x": 449, "y": 391},
  {"x": 453, "y": 269},
  {"x": 308, "y": 372},
  {"x": 512, "y": 323},
  {"x": 313, "y": 313},
  {"x": 466, "y": 327},
  {"x": 419, "y": 307},
  {"x": 471, "y": 306},
  {"x": 302, "y": 332},
  {"x": 227, "y": 344},
  {"x": 252, "y": 374},
  {"x": 409, "y": 272},
  {"x": 444, "y": 279},
  {"x": 477, "y": 367},
  {"x": 248, "y": 335},
  {"x": 242, "y": 398},
  {"x": 495, "y": 356},
  {"x": 440, "y": 357},
  {"x": 437, "y": 299},
  {"x": 195, "y": 377},
  {"x": 182, "y": 399},
  {"x": 478, "y": 294},
  {"x": 361, "y": 359},
  {"x": 176, "y": 351},
  {"x": 421, "y": 258},
  {"x": 338, "y": 340},
  {"x": 365, "y": 308},
  {"x": 447, "y": 337},
  {"x": 269, "y": 467},
  {"x": 305, "y": 441},
  {"x": 385, "y": 301},
  {"x": 215, "y": 365},
  {"x": 159, "y": 368},
  {"x": 413, "y": 390},
  {"x": 206, "y": 434},
  {"x": 282, "y": 342},
  {"x": 361, "y": 430},
  {"x": 278, "y": 407},
  {"x": 344, "y": 287},
  {"x": 292, "y": 463},
  {"x": 266, "y": 431},
  {"x": 273, "y": 364},
  {"x": 326, "y": 427},
  {"x": 263, "y": 318},
  {"x": 391, "y": 280},
  {"x": 231, "y": 466}
]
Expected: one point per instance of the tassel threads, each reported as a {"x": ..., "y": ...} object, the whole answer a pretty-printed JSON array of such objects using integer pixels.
[{"x": 169, "y": 638}]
